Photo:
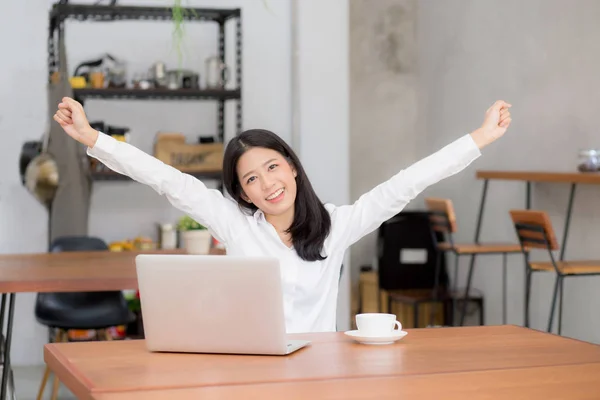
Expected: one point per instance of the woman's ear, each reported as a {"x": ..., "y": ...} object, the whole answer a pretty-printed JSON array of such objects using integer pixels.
[{"x": 245, "y": 198}]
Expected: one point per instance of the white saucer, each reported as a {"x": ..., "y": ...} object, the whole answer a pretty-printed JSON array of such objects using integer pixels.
[{"x": 387, "y": 339}]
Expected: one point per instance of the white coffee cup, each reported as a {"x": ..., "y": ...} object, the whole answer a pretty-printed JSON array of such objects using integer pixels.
[{"x": 377, "y": 324}]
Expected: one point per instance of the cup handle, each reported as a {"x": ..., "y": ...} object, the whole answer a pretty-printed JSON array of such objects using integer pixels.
[{"x": 399, "y": 325}]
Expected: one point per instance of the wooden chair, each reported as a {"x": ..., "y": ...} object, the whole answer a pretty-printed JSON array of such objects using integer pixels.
[
  {"x": 443, "y": 220},
  {"x": 535, "y": 231}
]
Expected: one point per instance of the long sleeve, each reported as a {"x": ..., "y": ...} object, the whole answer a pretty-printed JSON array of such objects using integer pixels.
[
  {"x": 207, "y": 206},
  {"x": 352, "y": 222}
]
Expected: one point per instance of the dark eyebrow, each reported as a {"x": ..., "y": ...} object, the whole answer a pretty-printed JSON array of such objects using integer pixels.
[{"x": 265, "y": 163}]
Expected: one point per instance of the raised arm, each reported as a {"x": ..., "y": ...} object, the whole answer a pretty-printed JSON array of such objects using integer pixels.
[
  {"x": 352, "y": 222},
  {"x": 190, "y": 195}
]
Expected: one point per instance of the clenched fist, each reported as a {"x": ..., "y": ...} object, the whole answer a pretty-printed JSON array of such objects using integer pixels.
[
  {"x": 71, "y": 116},
  {"x": 496, "y": 121}
]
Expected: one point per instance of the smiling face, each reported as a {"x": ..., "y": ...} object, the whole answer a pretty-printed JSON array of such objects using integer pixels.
[{"x": 267, "y": 180}]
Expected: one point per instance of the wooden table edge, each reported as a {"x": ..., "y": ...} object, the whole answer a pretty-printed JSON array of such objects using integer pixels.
[
  {"x": 367, "y": 379},
  {"x": 68, "y": 285},
  {"x": 342, "y": 382},
  {"x": 77, "y": 383},
  {"x": 592, "y": 178}
]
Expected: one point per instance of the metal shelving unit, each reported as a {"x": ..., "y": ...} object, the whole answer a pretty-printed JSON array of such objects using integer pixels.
[
  {"x": 113, "y": 176},
  {"x": 62, "y": 11},
  {"x": 156, "y": 94}
]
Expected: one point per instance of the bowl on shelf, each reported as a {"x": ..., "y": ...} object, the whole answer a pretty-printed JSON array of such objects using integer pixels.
[{"x": 589, "y": 160}]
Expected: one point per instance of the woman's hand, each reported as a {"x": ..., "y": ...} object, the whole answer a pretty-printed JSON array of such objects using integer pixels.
[
  {"x": 71, "y": 117},
  {"x": 496, "y": 122}
]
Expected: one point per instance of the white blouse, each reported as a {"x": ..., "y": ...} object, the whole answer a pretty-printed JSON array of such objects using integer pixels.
[{"x": 310, "y": 288}]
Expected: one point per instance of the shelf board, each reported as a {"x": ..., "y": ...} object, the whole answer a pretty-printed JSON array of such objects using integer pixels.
[
  {"x": 113, "y": 176},
  {"x": 156, "y": 94},
  {"x": 117, "y": 13}
]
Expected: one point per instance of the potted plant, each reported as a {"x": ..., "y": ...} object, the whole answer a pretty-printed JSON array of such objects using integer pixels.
[{"x": 194, "y": 236}]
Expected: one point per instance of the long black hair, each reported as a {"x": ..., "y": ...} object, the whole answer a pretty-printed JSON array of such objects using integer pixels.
[{"x": 312, "y": 222}]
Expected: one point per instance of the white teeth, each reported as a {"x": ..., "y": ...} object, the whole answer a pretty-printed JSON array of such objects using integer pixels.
[{"x": 277, "y": 193}]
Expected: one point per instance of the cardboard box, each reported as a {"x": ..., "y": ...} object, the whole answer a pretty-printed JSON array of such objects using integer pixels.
[{"x": 172, "y": 149}]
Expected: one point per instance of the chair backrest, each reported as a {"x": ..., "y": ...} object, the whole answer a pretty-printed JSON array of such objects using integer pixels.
[
  {"x": 407, "y": 253},
  {"x": 442, "y": 215},
  {"x": 77, "y": 243},
  {"x": 58, "y": 305},
  {"x": 534, "y": 229}
]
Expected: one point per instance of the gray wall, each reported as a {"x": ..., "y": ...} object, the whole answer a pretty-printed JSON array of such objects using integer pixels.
[
  {"x": 541, "y": 55},
  {"x": 383, "y": 99}
]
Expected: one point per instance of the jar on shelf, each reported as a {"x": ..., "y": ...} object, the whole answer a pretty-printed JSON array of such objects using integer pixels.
[
  {"x": 168, "y": 236},
  {"x": 589, "y": 160}
]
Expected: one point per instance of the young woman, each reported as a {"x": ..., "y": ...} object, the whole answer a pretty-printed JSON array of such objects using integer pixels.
[{"x": 275, "y": 211}]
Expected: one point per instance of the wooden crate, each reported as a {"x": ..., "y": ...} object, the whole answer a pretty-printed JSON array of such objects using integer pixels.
[{"x": 172, "y": 149}]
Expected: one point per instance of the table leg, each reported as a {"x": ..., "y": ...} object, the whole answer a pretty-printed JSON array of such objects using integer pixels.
[
  {"x": 567, "y": 221},
  {"x": 504, "y": 288},
  {"x": 6, "y": 368},
  {"x": 472, "y": 263},
  {"x": 527, "y": 293},
  {"x": 467, "y": 289},
  {"x": 2, "y": 308},
  {"x": 480, "y": 213}
]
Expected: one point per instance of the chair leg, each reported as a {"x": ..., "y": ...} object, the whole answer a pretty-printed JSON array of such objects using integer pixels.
[
  {"x": 560, "y": 306},
  {"x": 454, "y": 286},
  {"x": 527, "y": 294},
  {"x": 482, "y": 312},
  {"x": 446, "y": 308},
  {"x": 61, "y": 336},
  {"x": 416, "y": 314},
  {"x": 436, "y": 285},
  {"x": 467, "y": 289},
  {"x": 553, "y": 306},
  {"x": 55, "y": 387},
  {"x": 43, "y": 384},
  {"x": 504, "y": 288}
]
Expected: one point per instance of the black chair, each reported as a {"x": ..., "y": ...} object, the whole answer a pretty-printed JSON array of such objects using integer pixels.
[
  {"x": 62, "y": 312},
  {"x": 408, "y": 259}
]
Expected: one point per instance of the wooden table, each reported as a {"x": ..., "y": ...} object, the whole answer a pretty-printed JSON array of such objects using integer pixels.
[
  {"x": 572, "y": 178},
  {"x": 506, "y": 360},
  {"x": 62, "y": 272},
  {"x": 578, "y": 381}
]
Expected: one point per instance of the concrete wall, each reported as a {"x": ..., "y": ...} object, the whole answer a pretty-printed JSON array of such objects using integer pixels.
[{"x": 383, "y": 100}]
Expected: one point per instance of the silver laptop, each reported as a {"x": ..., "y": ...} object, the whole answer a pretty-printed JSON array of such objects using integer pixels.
[{"x": 213, "y": 304}]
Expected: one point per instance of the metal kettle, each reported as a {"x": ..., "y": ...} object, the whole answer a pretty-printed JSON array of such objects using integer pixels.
[{"x": 216, "y": 73}]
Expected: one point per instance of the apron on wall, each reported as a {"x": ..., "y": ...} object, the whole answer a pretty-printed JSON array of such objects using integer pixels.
[{"x": 68, "y": 214}]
